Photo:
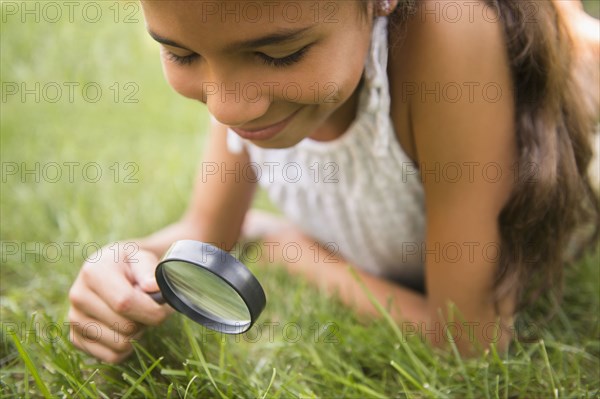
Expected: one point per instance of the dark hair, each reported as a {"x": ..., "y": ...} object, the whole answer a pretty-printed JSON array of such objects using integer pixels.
[
  {"x": 554, "y": 125},
  {"x": 555, "y": 117}
]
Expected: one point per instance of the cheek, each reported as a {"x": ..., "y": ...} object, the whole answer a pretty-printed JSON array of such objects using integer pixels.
[
  {"x": 348, "y": 82},
  {"x": 181, "y": 81},
  {"x": 325, "y": 85},
  {"x": 339, "y": 79}
]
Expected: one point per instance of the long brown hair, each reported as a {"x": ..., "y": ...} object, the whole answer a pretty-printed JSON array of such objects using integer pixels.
[{"x": 556, "y": 114}]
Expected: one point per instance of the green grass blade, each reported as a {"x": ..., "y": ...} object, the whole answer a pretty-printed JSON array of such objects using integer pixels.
[
  {"x": 429, "y": 391},
  {"x": 549, "y": 368},
  {"x": 361, "y": 387},
  {"x": 407, "y": 375},
  {"x": 30, "y": 366},
  {"x": 504, "y": 370},
  {"x": 270, "y": 383},
  {"x": 419, "y": 366},
  {"x": 200, "y": 356},
  {"x": 141, "y": 378},
  {"x": 187, "y": 388},
  {"x": 87, "y": 380},
  {"x": 457, "y": 356}
]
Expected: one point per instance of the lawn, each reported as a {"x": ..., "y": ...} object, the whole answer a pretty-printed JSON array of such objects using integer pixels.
[{"x": 96, "y": 147}]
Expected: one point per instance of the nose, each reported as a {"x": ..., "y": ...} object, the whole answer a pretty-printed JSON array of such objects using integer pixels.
[{"x": 235, "y": 102}]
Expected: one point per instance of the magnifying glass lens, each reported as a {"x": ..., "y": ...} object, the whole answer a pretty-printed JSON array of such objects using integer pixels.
[
  {"x": 209, "y": 286},
  {"x": 206, "y": 293}
]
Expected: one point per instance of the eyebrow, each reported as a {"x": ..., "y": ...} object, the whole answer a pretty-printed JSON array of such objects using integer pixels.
[
  {"x": 166, "y": 41},
  {"x": 282, "y": 36}
]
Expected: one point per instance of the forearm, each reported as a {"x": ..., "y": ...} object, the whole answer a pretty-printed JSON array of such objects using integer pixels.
[
  {"x": 335, "y": 276},
  {"x": 411, "y": 310},
  {"x": 403, "y": 304}
]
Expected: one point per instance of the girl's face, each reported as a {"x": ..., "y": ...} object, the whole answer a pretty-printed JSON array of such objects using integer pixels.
[{"x": 274, "y": 71}]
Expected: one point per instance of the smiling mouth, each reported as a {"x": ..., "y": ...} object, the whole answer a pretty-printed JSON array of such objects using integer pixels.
[{"x": 266, "y": 132}]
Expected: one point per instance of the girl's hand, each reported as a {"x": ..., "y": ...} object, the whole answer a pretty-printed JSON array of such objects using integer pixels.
[
  {"x": 109, "y": 301},
  {"x": 109, "y": 304}
]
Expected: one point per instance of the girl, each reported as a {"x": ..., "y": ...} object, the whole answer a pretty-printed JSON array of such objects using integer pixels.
[{"x": 440, "y": 148}]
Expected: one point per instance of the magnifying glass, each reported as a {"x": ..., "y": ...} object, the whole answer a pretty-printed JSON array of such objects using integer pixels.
[{"x": 209, "y": 286}]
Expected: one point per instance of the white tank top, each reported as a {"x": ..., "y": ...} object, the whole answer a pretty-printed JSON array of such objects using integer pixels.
[{"x": 359, "y": 194}]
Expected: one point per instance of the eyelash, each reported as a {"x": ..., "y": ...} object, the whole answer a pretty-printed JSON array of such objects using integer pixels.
[
  {"x": 274, "y": 62},
  {"x": 285, "y": 61},
  {"x": 181, "y": 60}
]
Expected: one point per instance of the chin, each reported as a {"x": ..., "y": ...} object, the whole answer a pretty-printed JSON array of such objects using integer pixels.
[{"x": 277, "y": 142}]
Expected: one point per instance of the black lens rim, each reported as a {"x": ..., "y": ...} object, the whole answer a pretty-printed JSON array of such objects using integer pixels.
[{"x": 223, "y": 265}]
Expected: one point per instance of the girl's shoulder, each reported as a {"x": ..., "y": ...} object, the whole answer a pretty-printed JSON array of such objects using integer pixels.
[{"x": 445, "y": 55}]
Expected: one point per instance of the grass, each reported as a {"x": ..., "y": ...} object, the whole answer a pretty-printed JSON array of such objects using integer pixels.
[{"x": 314, "y": 347}]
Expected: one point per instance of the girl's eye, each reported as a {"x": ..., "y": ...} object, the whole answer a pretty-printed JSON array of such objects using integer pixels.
[
  {"x": 285, "y": 61},
  {"x": 271, "y": 61},
  {"x": 181, "y": 60}
]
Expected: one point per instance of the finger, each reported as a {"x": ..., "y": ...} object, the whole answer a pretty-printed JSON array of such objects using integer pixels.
[
  {"x": 90, "y": 331},
  {"x": 93, "y": 307},
  {"x": 143, "y": 266},
  {"x": 118, "y": 292},
  {"x": 99, "y": 351}
]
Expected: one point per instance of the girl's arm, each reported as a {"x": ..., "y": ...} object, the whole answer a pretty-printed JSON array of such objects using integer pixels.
[
  {"x": 332, "y": 274},
  {"x": 477, "y": 133}
]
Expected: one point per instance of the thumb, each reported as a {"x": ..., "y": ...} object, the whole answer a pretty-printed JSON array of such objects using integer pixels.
[{"x": 143, "y": 265}]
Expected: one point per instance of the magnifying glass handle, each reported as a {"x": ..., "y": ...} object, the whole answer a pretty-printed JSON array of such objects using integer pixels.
[{"x": 158, "y": 297}]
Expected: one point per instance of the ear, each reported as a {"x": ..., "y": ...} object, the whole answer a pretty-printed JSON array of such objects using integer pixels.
[{"x": 385, "y": 7}]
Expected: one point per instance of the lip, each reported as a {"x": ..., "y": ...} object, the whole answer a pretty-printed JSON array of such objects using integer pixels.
[{"x": 267, "y": 132}]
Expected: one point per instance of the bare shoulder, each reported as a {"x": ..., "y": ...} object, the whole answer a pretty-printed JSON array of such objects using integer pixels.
[
  {"x": 447, "y": 36},
  {"x": 446, "y": 56}
]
